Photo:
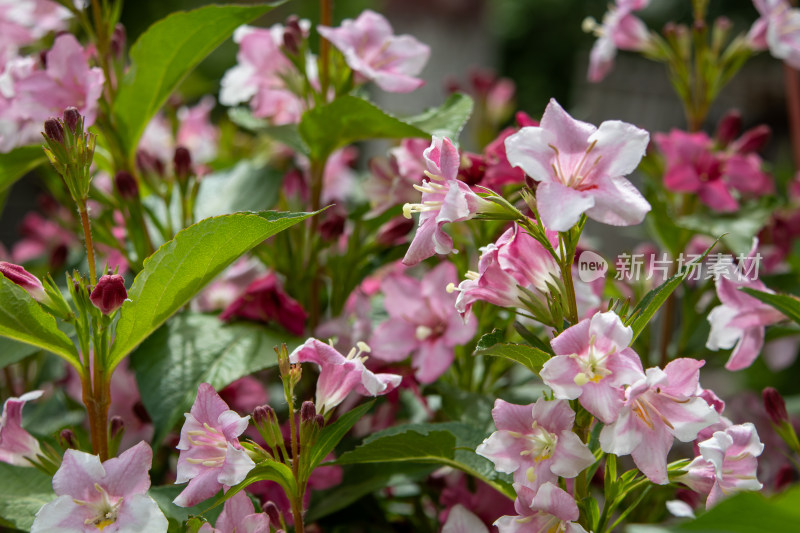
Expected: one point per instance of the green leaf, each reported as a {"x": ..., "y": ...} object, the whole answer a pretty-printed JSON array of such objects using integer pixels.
[
  {"x": 18, "y": 162},
  {"x": 12, "y": 351},
  {"x": 349, "y": 119},
  {"x": 492, "y": 344},
  {"x": 164, "y": 55},
  {"x": 446, "y": 120},
  {"x": 330, "y": 436},
  {"x": 164, "y": 495},
  {"x": 181, "y": 267},
  {"x": 23, "y": 319},
  {"x": 246, "y": 187},
  {"x": 653, "y": 300},
  {"x": 269, "y": 470},
  {"x": 447, "y": 443},
  {"x": 22, "y": 494},
  {"x": 738, "y": 230},
  {"x": 286, "y": 133},
  {"x": 192, "y": 349},
  {"x": 785, "y": 303}
]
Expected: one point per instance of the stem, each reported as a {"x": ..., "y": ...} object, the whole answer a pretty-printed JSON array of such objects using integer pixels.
[
  {"x": 317, "y": 175},
  {"x": 566, "y": 274},
  {"x": 667, "y": 323},
  {"x": 326, "y": 19},
  {"x": 87, "y": 234},
  {"x": 793, "y": 104}
]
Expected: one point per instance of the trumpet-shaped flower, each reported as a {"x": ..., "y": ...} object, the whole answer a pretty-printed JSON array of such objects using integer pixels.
[
  {"x": 580, "y": 169},
  {"x": 535, "y": 442},
  {"x": 515, "y": 262},
  {"x": 620, "y": 30},
  {"x": 548, "y": 509},
  {"x": 778, "y": 29},
  {"x": 659, "y": 407},
  {"x": 238, "y": 516},
  {"x": 372, "y": 50},
  {"x": 593, "y": 363},
  {"x": 740, "y": 322},
  {"x": 95, "y": 496},
  {"x": 422, "y": 322},
  {"x": 211, "y": 457},
  {"x": 444, "y": 199},
  {"x": 17, "y": 446},
  {"x": 340, "y": 375}
]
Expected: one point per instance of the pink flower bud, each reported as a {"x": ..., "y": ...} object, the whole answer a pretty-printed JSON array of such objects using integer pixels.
[
  {"x": 24, "y": 279},
  {"x": 775, "y": 406},
  {"x": 109, "y": 293}
]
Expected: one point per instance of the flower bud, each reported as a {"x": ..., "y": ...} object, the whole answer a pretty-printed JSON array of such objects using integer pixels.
[
  {"x": 23, "y": 278},
  {"x": 109, "y": 293},
  {"x": 775, "y": 406},
  {"x": 126, "y": 185},
  {"x": 54, "y": 130},
  {"x": 319, "y": 421},
  {"x": 68, "y": 440},
  {"x": 182, "y": 162},
  {"x": 753, "y": 139},
  {"x": 395, "y": 232},
  {"x": 118, "y": 40},
  {"x": 307, "y": 412},
  {"x": 116, "y": 426},
  {"x": 729, "y": 127},
  {"x": 72, "y": 118},
  {"x": 266, "y": 422},
  {"x": 273, "y": 513}
]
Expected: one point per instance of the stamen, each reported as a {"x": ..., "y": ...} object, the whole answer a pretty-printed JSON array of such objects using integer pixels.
[{"x": 451, "y": 288}]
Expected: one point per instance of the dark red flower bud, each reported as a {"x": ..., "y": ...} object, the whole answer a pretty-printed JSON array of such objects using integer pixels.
[
  {"x": 319, "y": 421},
  {"x": 784, "y": 477},
  {"x": 308, "y": 412},
  {"x": 68, "y": 440},
  {"x": 182, "y": 162},
  {"x": 753, "y": 139},
  {"x": 775, "y": 406},
  {"x": 265, "y": 300},
  {"x": 472, "y": 169},
  {"x": 273, "y": 513},
  {"x": 126, "y": 185},
  {"x": 116, "y": 426},
  {"x": 333, "y": 222},
  {"x": 58, "y": 257},
  {"x": 23, "y": 278},
  {"x": 263, "y": 414},
  {"x": 729, "y": 128},
  {"x": 54, "y": 130},
  {"x": 118, "y": 40},
  {"x": 109, "y": 294},
  {"x": 149, "y": 164},
  {"x": 71, "y": 118},
  {"x": 482, "y": 80}
]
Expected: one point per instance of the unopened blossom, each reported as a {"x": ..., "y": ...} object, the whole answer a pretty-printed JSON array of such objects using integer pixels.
[
  {"x": 516, "y": 263},
  {"x": 422, "y": 322},
  {"x": 535, "y": 442},
  {"x": 620, "y": 30},
  {"x": 264, "y": 300},
  {"x": 259, "y": 76},
  {"x": 444, "y": 199},
  {"x": 372, "y": 50},
  {"x": 777, "y": 29},
  {"x": 109, "y": 294},
  {"x": 659, "y": 407},
  {"x": 548, "y": 509},
  {"x": 593, "y": 363},
  {"x": 211, "y": 457},
  {"x": 239, "y": 516},
  {"x": 95, "y": 496},
  {"x": 740, "y": 322},
  {"x": 580, "y": 169},
  {"x": 340, "y": 375},
  {"x": 17, "y": 446},
  {"x": 727, "y": 463},
  {"x": 18, "y": 275}
]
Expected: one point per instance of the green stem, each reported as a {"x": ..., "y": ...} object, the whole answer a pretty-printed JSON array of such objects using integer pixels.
[
  {"x": 87, "y": 234},
  {"x": 567, "y": 257}
]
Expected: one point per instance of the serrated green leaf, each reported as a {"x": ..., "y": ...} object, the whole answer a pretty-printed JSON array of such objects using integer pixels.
[
  {"x": 164, "y": 55},
  {"x": 330, "y": 436},
  {"x": 18, "y": 162},
  {"x": 446, "y": 120},
  {"x": 785, "y": 303},
  {"x": 22, "y": 493},
  {"x": 23, "y": 319},
  {"x": 349, "y": 119},
  {"x": 177, "y": 271},
  {"x": 492, "y": 344},
  {"x": 192, "y": 349}
]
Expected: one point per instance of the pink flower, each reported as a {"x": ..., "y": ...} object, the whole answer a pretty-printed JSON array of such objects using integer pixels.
[
  {"x": 66, "y": 81},
  {"x": 24, "y": 22},
  {"x": 535, "y": 442},
  {"x": 196, "y": 132},
  {"x": 259, "y": 76},
  {"x": 93, "y": 496},
  {"x": 740, "y": 322},
  {"x": 422, "y": 322},
  {"x": 778, "y": 29},
  {"x": 727, "y": 463},
  {"x": 515, "y": 262},
  {"x": 657, "y": 408},
  {"x": 211, "y": 457},
  {"x": 43, "y": 237},
  {"x": 580, "y": 169},
  {"x": 620, "y": 30},
  {"x": 372, "y": 50},
  {"x": 264, "y": 300},
  {"x": 391, "y": 180},
  {"x": 499, "y": 172},
  {"x": 229, "y": 285},
  {"x": 17, "y": 446},
  {"x": 692, "y": 165},
  {"x": 19, "y": 276},
  {"x": 461, "y": 520},
  {"x": 340, "y": 375},
  {"x": 593, "y": 363},
  {"x": 480, "y": 498},
  {"x": 550, "y": 509},
  {"x": 444, "y": 199},
  {"x": 239, "y": 515}
]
